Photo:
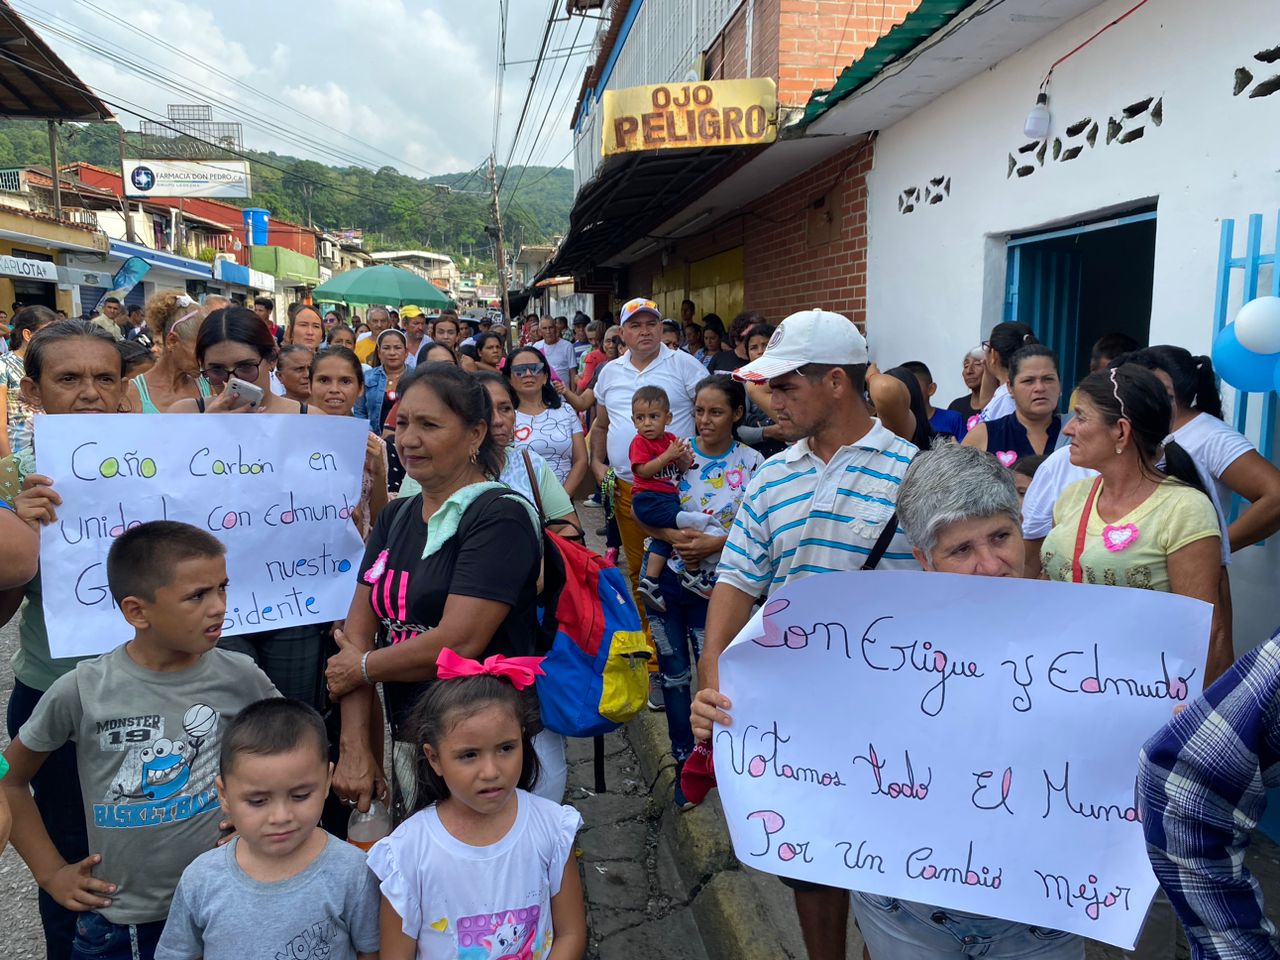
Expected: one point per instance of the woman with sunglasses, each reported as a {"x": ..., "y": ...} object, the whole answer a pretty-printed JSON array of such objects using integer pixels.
[
  {"x": 174, "y": 320},
  {"x": 544, "y": 422},
  {"x": 233, "y": 342}
]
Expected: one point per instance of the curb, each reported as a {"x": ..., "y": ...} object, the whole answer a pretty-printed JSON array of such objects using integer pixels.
[{"x": 729, "y": 908}]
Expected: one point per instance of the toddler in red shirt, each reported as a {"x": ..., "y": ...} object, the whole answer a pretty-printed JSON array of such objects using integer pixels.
[{"x": 658, "y": 460}]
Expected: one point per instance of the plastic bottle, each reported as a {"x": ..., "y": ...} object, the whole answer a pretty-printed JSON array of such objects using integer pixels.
[{"x": 366, "y": 829}]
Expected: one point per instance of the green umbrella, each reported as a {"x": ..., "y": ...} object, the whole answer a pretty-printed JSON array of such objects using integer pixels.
[{"x": 384, "y": 284}]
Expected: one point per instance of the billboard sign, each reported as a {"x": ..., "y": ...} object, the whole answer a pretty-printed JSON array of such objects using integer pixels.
[
  {"x": 186, "y": 178},
  {"x": 716, "y": 113}
]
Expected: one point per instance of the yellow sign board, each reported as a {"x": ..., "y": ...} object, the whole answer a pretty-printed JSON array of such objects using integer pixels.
[{"x": 715, "y": 113}]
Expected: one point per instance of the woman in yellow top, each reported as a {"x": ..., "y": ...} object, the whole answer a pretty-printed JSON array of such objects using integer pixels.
[{"x": 1142, "y": 526}]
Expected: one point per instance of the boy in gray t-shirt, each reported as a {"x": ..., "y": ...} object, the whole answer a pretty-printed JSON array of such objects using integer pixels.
[
  {"x": 147, "y": 722},
  {"x": 283, "y": 887}
]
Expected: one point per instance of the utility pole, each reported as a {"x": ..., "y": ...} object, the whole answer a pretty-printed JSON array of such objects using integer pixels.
[
  {"x": 57, "y": 175},
  {"x": 502, "y": 253},
  {"x": 124, "y": 193}
]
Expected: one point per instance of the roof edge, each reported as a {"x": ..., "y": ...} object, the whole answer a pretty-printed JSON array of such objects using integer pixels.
[{"x": 917, "y": 27}]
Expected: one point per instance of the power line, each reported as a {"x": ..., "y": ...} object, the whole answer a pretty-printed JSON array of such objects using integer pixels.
[
  {"x": 133, "y": 28},
  {"x": 533, "y": 80},
  {"x": 129, "y": 106},
  {"x": 265, "y": 123}
]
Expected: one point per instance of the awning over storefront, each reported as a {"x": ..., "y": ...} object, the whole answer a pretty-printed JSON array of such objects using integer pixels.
[
  {"x": 231, "y": 273},
  {"x": 630, "y": 195},
  {"x": 295, "y": 269},
  {"x": 165, "y": 261},
  {"x": 35, "y": 83}
]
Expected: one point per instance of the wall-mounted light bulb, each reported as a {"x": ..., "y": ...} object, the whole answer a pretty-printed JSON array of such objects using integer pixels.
[{"x": 1037, "y": 125}]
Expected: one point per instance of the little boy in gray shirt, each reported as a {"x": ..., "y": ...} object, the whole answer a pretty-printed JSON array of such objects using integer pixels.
[
  {"x": 147, "y": 720},
  {"x": 283, "y": 887}
]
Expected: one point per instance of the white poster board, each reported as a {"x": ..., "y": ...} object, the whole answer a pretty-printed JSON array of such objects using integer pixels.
[
  {"x": 965, "y": 742},
  {"x": 278, "y": 490}
]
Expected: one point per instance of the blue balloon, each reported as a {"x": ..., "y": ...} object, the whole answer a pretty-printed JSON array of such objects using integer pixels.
[{"x": 1241, "y": 367}]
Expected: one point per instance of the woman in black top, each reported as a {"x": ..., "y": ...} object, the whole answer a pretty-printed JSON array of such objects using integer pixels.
[{"x": 456, "y": 566}]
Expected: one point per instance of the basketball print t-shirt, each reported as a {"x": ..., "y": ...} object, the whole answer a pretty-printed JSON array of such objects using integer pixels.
[{"x": 147, "y": 750}]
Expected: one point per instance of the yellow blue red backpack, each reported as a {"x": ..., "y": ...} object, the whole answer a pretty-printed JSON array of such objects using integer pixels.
[{"x": 597, "y": 656}]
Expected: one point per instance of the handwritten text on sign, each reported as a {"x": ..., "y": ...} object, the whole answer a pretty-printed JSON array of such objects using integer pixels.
[
  {"x": 965, "y": 742},
  {"x": 277, "y": 490}
]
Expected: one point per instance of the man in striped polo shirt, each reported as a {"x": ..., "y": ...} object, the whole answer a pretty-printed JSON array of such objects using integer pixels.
[{"x": 827, "y": 503}]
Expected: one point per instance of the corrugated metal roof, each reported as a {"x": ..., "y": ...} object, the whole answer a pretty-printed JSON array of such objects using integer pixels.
[{"x": 925, "y": 20}]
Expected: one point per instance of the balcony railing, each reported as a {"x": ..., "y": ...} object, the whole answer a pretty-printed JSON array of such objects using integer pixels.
[{"x": 11, "y": 180}]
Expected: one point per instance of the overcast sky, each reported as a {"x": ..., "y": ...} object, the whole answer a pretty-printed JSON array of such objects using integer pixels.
[{"x": 411, "y": 78}]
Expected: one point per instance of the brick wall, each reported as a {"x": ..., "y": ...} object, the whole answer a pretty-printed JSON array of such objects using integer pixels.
[
  {"x": 817, "y": 39},
  {"x": 796, "y": 256}
]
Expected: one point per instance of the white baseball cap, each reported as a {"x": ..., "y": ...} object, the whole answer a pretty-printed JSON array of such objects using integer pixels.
[{"x": 810, "y": 336}]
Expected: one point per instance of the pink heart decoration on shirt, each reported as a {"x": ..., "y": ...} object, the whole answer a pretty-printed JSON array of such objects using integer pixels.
[
  {"x": 1007, "y": 457},
  {"x": 1119, "y": 537}
]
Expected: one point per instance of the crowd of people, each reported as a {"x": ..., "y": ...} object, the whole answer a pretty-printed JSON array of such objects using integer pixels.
[{"x": 186, "y": 794}]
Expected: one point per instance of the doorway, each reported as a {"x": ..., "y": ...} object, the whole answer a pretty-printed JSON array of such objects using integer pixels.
[{"x": 1073, "y": 285}]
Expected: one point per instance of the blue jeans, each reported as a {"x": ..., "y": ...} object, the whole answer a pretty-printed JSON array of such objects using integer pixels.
[
  {"x": 683, "y": 626},
  {"x": 904, "y": 930},
  {"x": 56, "y": 787},
  {"x": 97, "y": 938}
]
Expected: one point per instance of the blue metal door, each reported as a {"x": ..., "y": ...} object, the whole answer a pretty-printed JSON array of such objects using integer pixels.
[{"x": 1043, "y": 291}]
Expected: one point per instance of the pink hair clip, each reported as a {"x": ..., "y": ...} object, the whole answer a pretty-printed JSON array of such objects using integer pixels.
[{"x": 521, "y": 671}]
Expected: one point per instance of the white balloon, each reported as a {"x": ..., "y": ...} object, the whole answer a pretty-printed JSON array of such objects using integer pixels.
[{"x": 1258, "y": 325}]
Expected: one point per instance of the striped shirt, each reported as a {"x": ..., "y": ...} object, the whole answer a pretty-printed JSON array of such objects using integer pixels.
[{"x": 803, "y": 516}]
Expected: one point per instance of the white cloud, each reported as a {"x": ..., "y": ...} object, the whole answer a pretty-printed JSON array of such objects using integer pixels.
[{"x": 412, "y": 81}]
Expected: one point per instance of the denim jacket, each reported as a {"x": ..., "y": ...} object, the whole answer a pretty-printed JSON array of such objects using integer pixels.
[{"x": 369, "y": 406}]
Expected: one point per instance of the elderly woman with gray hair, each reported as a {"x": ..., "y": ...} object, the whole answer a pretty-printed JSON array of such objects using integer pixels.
[{"x": 960, "y": 510}]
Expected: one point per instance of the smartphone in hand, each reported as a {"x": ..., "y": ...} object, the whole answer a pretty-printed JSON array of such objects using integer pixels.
[{"x": 244, "y": 393}]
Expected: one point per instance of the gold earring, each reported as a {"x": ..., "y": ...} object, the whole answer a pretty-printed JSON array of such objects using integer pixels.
[
  {"x": 473, "y": 455},
  {"x": 1119, "y": 450}
]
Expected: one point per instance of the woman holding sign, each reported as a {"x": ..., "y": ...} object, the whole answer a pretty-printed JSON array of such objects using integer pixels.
[
  {"x": 233, "y": 348},
  {"x": 1135, "y": 525},
  {"x": 455, "y": 566},
  {"x": 72, "y": 366}
]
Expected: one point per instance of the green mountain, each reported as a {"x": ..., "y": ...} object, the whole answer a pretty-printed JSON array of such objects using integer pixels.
[{"x": 394, "y": 210}]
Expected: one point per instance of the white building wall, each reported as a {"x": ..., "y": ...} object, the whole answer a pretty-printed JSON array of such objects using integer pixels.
[{"x": 936, "y": 275}]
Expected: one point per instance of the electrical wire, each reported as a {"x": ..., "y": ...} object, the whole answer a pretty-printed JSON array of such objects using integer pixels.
[
  {"x": 1044, "y": 84},
  {"x": 129, "y": 106},
  {"x": 528, "y": 100},
  {"x": 133, "y": 28},
  {"x": 255, "y": 120}
]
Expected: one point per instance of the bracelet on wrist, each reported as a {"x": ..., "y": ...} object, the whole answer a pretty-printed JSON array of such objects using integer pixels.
[{"x": 364, "y": 668}]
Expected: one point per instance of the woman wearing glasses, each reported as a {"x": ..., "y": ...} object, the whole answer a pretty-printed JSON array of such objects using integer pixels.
[
  {"x": 174, "y": 320},
  {"x": 545, "y": 423},
  {"x": 233, "y": 342}
]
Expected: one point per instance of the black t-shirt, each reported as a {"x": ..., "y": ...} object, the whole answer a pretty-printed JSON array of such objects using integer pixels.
[
  {"x": 962, "y": 406},
  {"x": 494, "y": 555},
  {"x": 726, "y": 361}
]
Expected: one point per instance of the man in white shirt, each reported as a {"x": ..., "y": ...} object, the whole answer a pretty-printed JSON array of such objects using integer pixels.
[
  {"x": 646, "y": 362},
  {"x": 559, "y": 353},
  {"x": 827, "y": 503}
]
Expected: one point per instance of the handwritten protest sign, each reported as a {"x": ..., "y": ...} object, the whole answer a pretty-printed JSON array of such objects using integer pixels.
[
  {"x": 278, "y": 490},
  {"x": 970, "y": 743}
]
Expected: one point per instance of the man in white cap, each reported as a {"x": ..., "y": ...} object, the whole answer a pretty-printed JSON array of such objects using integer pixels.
[
  {"x": 646, "y": 362},
  {"x": 827, "y": 503}
]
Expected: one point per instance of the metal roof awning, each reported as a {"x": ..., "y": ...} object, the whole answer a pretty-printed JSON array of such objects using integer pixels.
[
  {"x": 34, "y": 82},
  {"x": 630, "y": 194}
]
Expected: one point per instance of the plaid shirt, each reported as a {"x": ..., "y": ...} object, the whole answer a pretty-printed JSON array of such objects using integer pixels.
[{"x": 1203, "y": 783}]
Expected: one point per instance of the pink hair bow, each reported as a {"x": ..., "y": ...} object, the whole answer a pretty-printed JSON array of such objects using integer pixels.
[{"x": 521, "y": 671}]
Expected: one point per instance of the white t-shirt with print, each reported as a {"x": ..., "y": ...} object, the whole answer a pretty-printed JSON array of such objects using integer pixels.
[
  {"x": 715, "y": 486},
  {"x": 1000, "y": 405},
  {"x": 461, "y": 902},
  {"x": 550, "y": 434},
  {"x": 559, "y": 355}
]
